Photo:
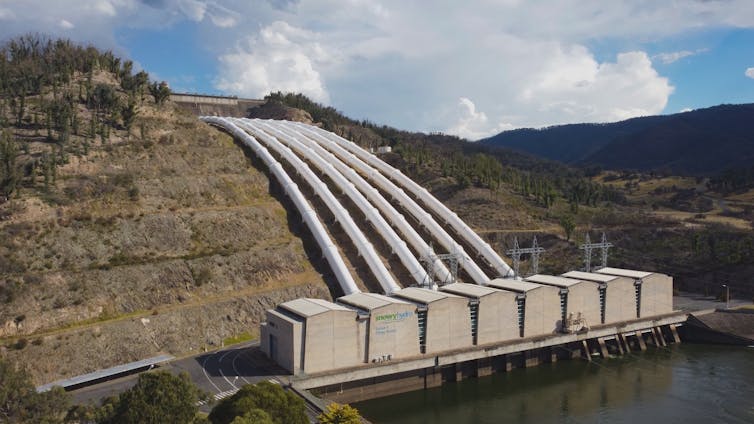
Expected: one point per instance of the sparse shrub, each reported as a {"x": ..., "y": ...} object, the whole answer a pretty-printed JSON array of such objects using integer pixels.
[
  {"x": 38, "y": 341},
  {"x": 21, "y": 343}
]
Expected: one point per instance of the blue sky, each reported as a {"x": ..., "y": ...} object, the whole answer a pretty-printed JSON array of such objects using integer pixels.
[{"x": 469, "y": 68}]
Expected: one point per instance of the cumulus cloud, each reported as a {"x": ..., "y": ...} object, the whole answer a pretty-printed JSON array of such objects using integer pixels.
[
  {"x": 280, "y": 58},
  {"x": 576, "y": 87},
  {"x": 749, "y": 72},
  {"x": 473, "y": 124},
  {"x": 404, "y": 64}
]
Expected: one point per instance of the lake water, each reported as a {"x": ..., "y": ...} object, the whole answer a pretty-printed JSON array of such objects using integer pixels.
[{"x": 680, "y": 384}]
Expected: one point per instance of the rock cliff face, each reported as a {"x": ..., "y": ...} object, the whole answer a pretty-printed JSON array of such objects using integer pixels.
[{"x": 170, "y": 241}]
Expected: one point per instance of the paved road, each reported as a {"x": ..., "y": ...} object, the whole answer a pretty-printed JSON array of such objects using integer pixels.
[
  {"x": 690, "y": 302},
  {"x": 219, "y": 373}
]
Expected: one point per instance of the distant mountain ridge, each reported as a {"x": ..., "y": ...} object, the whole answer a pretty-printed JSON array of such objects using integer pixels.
[{"x": 700, "y": 142}]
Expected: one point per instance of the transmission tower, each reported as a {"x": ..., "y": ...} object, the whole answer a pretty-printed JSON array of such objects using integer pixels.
[
  {"x": 517, "y": 251},
  {"x": 450, "y": 258},
  {"x": 588, "y": 246}
]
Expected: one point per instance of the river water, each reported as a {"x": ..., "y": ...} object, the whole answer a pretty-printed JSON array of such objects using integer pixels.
[{"x": 680, "y": 384}]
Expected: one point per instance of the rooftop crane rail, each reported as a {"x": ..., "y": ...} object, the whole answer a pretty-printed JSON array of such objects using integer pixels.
[
  {"x": 305, "y": 145},
  {"x": 308, "y": 215},
  {"x": 426, "y": 219},
  {"x": 363, "y": 246},
  {"x": 372, "y": 214},
  {"x": 482, "y": 247}
]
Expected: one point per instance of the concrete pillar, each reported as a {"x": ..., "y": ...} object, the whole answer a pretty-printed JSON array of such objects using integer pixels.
[
  {"x": 654, "y": 338},
  {"x": 585, "y": 350},
  {"x": 674, "y": 332},
  {"x": 660, "y": 337},
  {"x": 483, "y": 367},
  {"x": 619, "y": 344},
  {"x": 603, "y": 347},
  {"x": 531, "y": 358},
  {"x": 640, "y": 338},
  {"x": 552, "y": 353},
  {"x": 624, "y": 340}
]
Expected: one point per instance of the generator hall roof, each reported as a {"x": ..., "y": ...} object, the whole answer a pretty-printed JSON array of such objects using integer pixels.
[
  {"x": 513, "y": 285},
  {"x": 553, "y": 280},
  {"x": 590, "y": 276},
  {"x": 369, "y": 301},
  {"x": 307, "y": 307},
  {"x": 625, "y": 272},
  {"x": 469, "y": 290},
  {"x": 423, "y": 296}
]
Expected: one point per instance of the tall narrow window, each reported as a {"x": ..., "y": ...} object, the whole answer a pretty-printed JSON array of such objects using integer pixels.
[
  {"x": 474, "y": 310},
  {"x": 603, "y": 301},
  {"x": 637, "y": 289},
  {"x": 422, "y": 317},
  {"x": 563, "y": 307},
  {"x": 521, "y": 304}
]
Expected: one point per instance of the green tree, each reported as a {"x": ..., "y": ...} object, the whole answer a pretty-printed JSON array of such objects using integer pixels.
[
  {"x": 254, "y": 416},
  {"x": 157, "y": 397},
  {"x": 282, "y": 406},
  {"x": 8, "y": 168},
  {"x": 340, "y": 414},
  {"x": 568, "y": 225},
  {"x": 20, "y": 402},
  {"x": 129, "y": 113},
  {"x": 160, "y": 92}
]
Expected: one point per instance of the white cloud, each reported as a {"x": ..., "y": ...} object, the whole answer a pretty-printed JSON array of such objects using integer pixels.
[
  {"x": 749, "y": 72},
  {"x": 404, "y": 64},
  {"x": 66, "y": 24},
  {"x": 574, "y": 86},
  {"x": 686, "y": 109},
  {"x": 473, "y": 124},
  {"x": 279, "y": 58},
  {"x": 668, "y": 58}
]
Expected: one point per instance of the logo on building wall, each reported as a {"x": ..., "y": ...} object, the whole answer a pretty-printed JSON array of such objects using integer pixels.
[{"x": 394, "y": 317}]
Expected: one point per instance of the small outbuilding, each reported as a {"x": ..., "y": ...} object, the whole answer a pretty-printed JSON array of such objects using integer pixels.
[
  {"x": 444, "y": 319},
  {"x": 579, "y": 300},
  {"x": 654, "y": 291},
  {"x": 617, "y": 295},
  {"x": 537, "y": 306},
  {"x": 312, "y": 335},
  {"x": 493, "y": 312},
  {"x": 391, "y": 326}
]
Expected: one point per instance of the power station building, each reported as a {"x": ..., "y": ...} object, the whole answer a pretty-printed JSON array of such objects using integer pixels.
[
  {"x": 444, "y": 319},
  {"x": 391, "y": 326},
  {"x": 493, "y": 312},
  {"x": 653, "y": 291},
  {"x": 579, "y": 299},
  {"x": 537, "y": 306},
  {"x": 617, "y": 295},
  {"x": 312, "y": 336}
]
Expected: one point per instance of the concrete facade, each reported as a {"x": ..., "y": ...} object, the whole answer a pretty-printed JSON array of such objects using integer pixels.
[
  {"x": 280, "y": 339},
  {"x": 656, "y": 293},
  {"x": 620, "y": 295},
  {"x": 313, "y": 335},
  {"x": 448, "y": 320},
  {"x": 541, "y": 305},
  {"x": 583, "y": 297},
  {"x": 392, "y": 329},
  {"x": 497, "y": 318}
]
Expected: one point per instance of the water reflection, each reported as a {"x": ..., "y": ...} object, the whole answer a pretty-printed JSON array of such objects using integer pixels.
[{"x": 686, "y": 384}]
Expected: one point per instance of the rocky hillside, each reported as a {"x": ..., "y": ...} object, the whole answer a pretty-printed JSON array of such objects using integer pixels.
[{"x": 115, "y": 247}]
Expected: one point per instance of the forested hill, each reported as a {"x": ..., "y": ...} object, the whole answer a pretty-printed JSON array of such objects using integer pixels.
[{"x": 701, "y": 142}]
